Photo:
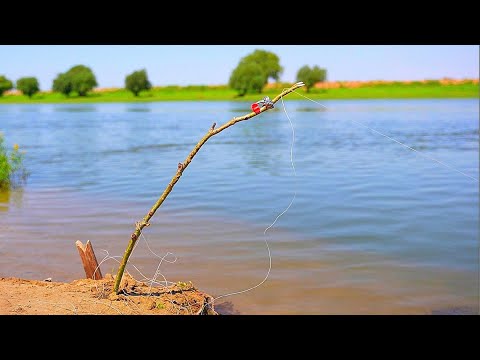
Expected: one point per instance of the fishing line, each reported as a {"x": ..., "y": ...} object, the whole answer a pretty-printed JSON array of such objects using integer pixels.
[
  {"x": 276, "y": 219},
  {"x": 399, "y": 142},
  {"x": 152, "y": 280}
]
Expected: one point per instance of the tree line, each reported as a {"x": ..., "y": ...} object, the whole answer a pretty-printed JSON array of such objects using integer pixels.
[{"x": 250, "y": 76}]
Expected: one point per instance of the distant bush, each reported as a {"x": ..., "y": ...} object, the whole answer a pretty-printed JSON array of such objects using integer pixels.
[
  {"x": 137, "y": 81},
  {"x": 196, "y": 87},
  {"x": 318, "y": 91},
  {"x": 171, "y": 87},
  {"x": 5, "y": 84},
  {"x": 311, "y": 76},
  {"x": 218, "y": 87},
  {"x": 79, "y": 78},
  {"x": 12, "y": 171},
  {"x": 28, "y": 86},
  {"x": 432, "y": 82}
]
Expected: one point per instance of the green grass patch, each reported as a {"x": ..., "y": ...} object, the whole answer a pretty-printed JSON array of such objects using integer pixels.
[
  {"x": 429, "y": 89},
  {"x": 12, "y": 171}
]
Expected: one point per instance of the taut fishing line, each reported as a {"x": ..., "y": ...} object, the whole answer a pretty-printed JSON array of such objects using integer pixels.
[{"x": 398, "y": 142}]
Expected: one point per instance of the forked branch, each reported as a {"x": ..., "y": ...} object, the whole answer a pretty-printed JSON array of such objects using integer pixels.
[{"x": 180, "y": 169}]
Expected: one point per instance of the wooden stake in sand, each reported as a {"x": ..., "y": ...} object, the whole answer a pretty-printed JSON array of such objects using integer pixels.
[{"x": 90, "y": 264}]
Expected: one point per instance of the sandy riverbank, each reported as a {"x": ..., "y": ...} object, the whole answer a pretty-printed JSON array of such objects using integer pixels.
[{"x": 86, "y": 296}]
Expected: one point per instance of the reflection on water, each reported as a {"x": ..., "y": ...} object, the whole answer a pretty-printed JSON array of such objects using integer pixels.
[
  {"x": 264, "y": 133},
  {"x": 4, "y": 200},
  {"x": 75, "y": 108},
  {"x": 374, "y": 228},
  {"x": 457, "y": 311},
  {"x": 311, "y": 109},
  {"x": 226, "y": 308},
  {"x": 10, "y": 198},
  {"x": 239, "y": 110},
  {"x": 144, "y": 148},
  {"x": 138, "y": 109}
]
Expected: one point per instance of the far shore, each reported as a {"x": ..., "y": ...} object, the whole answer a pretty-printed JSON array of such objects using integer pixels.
[{"x": 444, "y": 88}]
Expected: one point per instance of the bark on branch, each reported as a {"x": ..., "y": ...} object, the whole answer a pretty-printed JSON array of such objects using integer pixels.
[{"x": 180, "y": 169}]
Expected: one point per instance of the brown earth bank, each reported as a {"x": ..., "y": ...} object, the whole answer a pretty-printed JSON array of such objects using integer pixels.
[{"x": 95, "y": 297}]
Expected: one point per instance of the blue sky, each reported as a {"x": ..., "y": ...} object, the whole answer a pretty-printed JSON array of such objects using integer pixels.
[{"x": 212, "y": 64}]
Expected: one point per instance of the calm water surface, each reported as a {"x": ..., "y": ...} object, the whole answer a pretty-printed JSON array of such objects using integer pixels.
[{"x": 375, "y": 228}]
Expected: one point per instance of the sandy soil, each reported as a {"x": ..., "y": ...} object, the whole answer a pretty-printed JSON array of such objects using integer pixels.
[{"x": 80, "y": 297}]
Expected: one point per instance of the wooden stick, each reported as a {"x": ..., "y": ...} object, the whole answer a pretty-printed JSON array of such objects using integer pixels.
[
  {"x": 180, "y": 169},
  {"x": 89, "y": 261}
]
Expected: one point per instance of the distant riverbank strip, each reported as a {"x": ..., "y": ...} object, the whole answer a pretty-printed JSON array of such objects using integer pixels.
[{"x": 338, "y": 90}]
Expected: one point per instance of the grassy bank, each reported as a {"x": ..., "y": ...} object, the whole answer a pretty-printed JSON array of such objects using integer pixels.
[{"x": 213, "y": 93}]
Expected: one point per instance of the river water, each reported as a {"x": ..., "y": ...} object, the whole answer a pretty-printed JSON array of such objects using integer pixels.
[{"x": 374, "y": 228}]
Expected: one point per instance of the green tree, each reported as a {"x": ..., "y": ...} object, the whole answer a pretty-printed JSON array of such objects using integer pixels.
[
  {"x": 62, "y": 84},
  {"x": 82, "y": 79},
  {"x": 268, "y": 61},
  {"x": 254, "y": 70},
  {"x": 79, "y": 78},
  {"x": 5, "y": 84},
  {"x": 137, "y": 81},
  {"x": 248, "y": 76},
  {"x": 311, "y": 76},
  {"x": 28, "y": 86}
]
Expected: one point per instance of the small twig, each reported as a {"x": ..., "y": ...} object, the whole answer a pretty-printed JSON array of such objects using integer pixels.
[{"x": 180, "y": 169}]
